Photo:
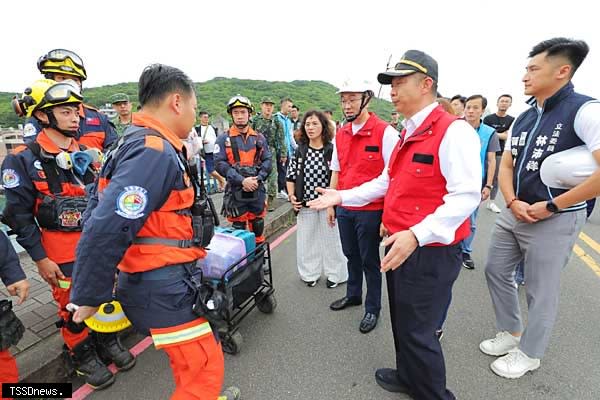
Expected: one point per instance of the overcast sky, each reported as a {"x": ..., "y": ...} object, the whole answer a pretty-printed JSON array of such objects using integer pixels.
[{"x": 481, "y": 46}]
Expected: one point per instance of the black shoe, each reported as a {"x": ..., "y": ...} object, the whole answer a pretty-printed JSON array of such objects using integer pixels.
[
  {"x": 87, "y": 364},
  {"x": 345, "y": 302},
  {"x": 110, "y": 349},
  {"x": 311, "y": 283},
  {"x": 468, "y": 262},
  {"x": 388, "y": 379},
  {"x": 331, "y": 284},
  {"x": 368, "y": 323}
]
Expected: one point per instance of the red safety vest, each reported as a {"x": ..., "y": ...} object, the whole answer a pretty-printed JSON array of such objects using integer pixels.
[
  {"x": 417, "y": 186},
  {"x": 360, "y": 156}
]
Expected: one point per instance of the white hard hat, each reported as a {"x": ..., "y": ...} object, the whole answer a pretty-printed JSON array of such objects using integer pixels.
[
  {"x": 355, "y": 86},
  {"x": 567, "y": 169}
]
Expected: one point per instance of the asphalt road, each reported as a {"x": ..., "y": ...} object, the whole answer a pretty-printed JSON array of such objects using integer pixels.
[{"x": 305, "y": 351}]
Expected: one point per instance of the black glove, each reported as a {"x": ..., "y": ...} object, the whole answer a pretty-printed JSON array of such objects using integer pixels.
[{"x": 11, "y": 327}]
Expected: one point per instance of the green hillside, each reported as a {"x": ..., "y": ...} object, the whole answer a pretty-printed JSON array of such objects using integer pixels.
[{"x": 213, "y": 96}]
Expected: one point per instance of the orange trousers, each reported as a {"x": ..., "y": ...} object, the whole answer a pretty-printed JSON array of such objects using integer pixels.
[
  {"x": 8, "y": 369},
  {"x": 198, "y": 369},
  {"x": 61, "y": 295}
]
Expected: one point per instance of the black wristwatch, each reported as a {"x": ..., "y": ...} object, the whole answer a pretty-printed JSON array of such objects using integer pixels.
[
  {"x": 489, "y": 187},
  {"x": 550, "y": 206}
]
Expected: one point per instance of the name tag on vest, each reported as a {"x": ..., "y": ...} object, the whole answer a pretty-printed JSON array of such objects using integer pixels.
[{"x": 423, "y": 158}]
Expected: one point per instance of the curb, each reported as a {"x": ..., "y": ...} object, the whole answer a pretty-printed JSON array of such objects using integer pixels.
[{"x": 43, "y": 362}]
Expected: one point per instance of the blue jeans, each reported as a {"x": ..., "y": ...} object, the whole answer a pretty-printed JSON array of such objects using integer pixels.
[
  {"x": 520, "y": 273},
  {"x": 468, "y": 241}
]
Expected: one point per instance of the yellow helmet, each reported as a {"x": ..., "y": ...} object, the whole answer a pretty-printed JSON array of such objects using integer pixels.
[
  {"x": 63, "y": 62},
  {"x": 46, "y": 93}
]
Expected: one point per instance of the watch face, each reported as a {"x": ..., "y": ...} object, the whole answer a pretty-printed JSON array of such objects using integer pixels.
[{"x": 550, "y": 206}]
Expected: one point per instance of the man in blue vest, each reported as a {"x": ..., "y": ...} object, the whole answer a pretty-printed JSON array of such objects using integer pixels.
[
  {"x": 490, "y": 144},
  {"x": 541, "y": 223}
]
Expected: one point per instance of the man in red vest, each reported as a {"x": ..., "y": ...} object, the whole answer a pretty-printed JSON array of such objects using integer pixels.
[
  {"x": 431, "y": 186},
  {"x": 362, "y": 148}
]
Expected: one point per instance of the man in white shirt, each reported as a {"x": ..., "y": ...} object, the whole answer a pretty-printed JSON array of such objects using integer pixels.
[
  {"x": 432, "y": 184},
  {"x": 362, "y": 148},
  {"x": 208, "y": 136}
]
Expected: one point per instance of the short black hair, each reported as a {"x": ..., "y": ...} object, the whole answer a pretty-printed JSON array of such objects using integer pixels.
[
  {"x": 201, "y": 113},
  {"x": 296, "y": 107},
  {"x": 159, "y": 80},
  {"x": 460, "y": 98},
  {"x": 505, "y": 95},
  {"x": 284, "y": 99},
  {"x": 573, "y": 50},
  {"x": 478, "y": 96},
  {"x": 394, "y": 112}
]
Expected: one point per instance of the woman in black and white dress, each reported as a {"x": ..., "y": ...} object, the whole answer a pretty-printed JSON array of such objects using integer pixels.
[{"x": 318, "y": 245}]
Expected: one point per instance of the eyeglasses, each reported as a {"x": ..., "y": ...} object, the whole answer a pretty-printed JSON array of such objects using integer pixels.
[
  {"x": 350, "y": 101},
  {"x": 60, "y": 55}
]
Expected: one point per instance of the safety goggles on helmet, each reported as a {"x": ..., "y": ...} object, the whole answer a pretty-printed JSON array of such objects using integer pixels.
[
  {"x": 239, "y": 101},
  {"x": 62, "y": 61},
  {"x": 62, "y": 92},
  {"x": 36, "y": 98},
  {"x": 60, "y": 55}
]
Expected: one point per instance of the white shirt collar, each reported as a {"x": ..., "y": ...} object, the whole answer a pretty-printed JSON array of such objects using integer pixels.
[{"x": 411, "y": 124}]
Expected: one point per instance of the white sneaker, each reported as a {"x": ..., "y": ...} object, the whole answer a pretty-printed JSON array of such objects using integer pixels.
[
  {"x": 282, "y": 195},
  {"x": 514, "y": 365},
  {"x": 493, "y": 207},
  {"x": 500, "y": 345}
]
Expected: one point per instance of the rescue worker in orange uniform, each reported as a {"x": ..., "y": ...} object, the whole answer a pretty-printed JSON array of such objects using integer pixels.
[
  {"x": 242, "y": 156},
  {"x": 11, "y": 329},
  {"x": 45, "y": 186},
  {"x": 145, "y": 226},
  {"x": 95, "y": 130}
]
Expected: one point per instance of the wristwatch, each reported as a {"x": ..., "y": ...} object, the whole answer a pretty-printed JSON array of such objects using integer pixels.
[
  {"x": 550, "y": 206},
  {"x": 489, "y": 187}
]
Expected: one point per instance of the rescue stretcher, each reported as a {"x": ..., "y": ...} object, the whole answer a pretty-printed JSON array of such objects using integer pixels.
[{"x": 247, "y": 284}]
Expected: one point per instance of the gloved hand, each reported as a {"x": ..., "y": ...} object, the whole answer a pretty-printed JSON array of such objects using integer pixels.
[{"x": 11, "y": 327}]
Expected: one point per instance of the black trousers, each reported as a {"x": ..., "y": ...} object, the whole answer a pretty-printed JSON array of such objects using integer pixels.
[{"x": 419, "y": 291}]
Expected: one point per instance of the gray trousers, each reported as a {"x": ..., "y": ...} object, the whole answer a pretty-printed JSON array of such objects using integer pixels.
[{"x": 545, "y": 247}]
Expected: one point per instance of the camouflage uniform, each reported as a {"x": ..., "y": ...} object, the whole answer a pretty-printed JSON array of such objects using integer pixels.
[
  {"x": 272, "y": 130},
  {"x": 116, "y": 121}
]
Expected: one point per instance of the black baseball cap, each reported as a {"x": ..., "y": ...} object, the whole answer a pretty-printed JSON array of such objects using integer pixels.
[{"x": 412, "y": 61}]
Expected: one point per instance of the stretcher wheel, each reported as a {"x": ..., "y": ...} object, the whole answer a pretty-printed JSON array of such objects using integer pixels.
[
  {"x": 267, "y": 304},
  {"x": 232, "y": 343}
]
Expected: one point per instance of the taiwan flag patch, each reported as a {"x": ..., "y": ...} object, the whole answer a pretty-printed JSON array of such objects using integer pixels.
[{"x": 92, "y": 121}]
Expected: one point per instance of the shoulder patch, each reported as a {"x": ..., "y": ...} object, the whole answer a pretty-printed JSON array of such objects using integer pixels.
[
  {"x": 29, "y": 130},
  {"x": 154, "y": 142},
  {"x": 10, "y": 178},
  {"x": 132, "y": 202}
]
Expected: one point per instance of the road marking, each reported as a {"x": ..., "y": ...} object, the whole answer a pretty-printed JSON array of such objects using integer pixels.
[
  {"x": 590, "y": 242},
  {"x": 587, "y": 259},
  {"x": 142, "y": 345}
]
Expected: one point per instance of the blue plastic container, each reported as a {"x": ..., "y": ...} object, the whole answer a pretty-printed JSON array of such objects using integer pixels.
[{"x": 248, "y": 237}]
